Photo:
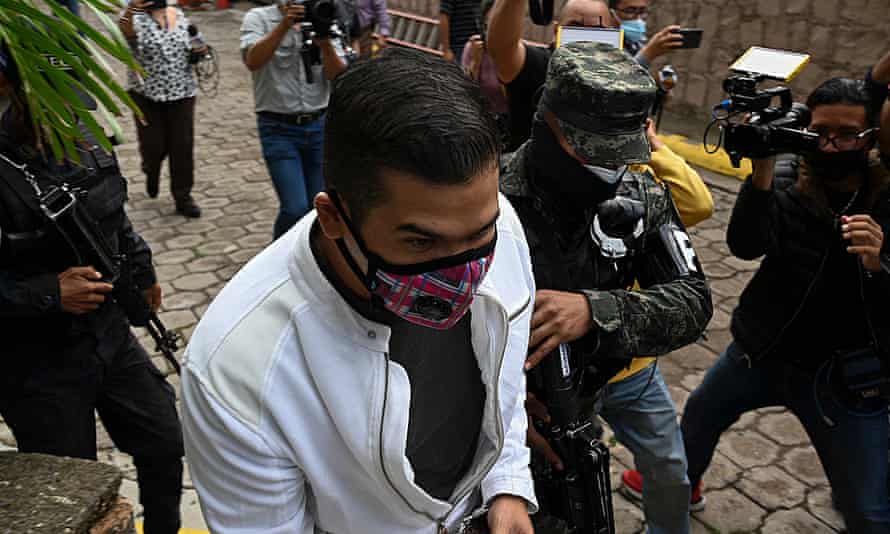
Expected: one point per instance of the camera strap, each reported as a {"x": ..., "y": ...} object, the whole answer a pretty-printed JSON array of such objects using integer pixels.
[{"x": 60, "y": 207}]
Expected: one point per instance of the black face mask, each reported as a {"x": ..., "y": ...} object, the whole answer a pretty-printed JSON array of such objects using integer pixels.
[
  {"x": 563, "y": 175},
  {"x": 836, "y": 166}
]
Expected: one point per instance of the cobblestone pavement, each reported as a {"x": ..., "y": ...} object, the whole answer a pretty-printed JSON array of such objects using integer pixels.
[{"x": 765, "y": 476}]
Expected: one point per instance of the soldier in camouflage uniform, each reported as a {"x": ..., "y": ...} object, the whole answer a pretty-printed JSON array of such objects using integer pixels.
[{"x": 597, "y": 221}]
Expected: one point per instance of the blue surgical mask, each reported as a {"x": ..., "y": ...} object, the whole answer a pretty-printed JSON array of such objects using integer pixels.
[{"x": 634, "y": 30}]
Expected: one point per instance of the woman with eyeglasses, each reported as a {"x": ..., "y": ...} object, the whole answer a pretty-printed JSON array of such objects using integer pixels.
[{"x": 811, "y": 332}]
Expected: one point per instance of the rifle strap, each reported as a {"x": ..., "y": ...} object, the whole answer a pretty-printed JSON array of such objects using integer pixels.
[{"x": 70, "y": 218}]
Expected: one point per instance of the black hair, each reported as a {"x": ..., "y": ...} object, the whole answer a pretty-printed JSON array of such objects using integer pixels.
[
  {"x": 613, "y": 4},
  {"x": 844, "y": 91},
  {"x": 16, "y": 122},
  {"x": 10, "y": 68},
  {"x": 405, "y": 111}
]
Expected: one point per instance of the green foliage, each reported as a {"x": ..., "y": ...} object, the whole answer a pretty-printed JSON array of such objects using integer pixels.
[{"x": 35, "y": 33}]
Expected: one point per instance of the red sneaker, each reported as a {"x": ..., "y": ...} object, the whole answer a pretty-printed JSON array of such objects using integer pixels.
[
  {"x": 632, "y": 487},
  {"x": 696, "y": 499}
]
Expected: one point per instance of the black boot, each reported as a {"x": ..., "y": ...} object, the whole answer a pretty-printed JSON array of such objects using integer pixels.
[
  {"x": 160, "y": 489},
  {"x": 151, "y": 186},
  {"x": 188, "y": 208}
]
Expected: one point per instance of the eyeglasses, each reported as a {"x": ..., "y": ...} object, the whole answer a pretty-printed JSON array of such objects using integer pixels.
[
  {"x": 633, "y": 12},
  {"x": 842, "y": 141}
]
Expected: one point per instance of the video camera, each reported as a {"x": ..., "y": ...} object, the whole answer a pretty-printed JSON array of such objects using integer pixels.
[
  {"x": 769, "y": 129},
  {"x": 320, "y": 21},
  {"x": 321, "y": 14}
]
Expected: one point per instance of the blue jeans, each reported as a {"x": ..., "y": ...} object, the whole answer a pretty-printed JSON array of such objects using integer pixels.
[
  {"x": 293, "y": 156},
  {"x": 853, "y": 452},
  {"x": 648, "y": 428}
]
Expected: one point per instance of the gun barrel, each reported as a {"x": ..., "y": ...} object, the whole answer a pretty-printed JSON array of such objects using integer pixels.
[{"x": 166, "y": 342}]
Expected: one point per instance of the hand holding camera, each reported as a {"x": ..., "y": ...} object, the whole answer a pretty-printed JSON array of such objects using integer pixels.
[
  {"x": 138, "y": 6},
  {"x": 476, "y": 44},
  {"x": 125, "y": 23},
  {"x": 293, "y": 14}
]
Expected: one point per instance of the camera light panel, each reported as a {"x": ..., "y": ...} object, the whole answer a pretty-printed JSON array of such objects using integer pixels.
[
  {"x": 579, "y": 34},
  {"x": 772, "y": 63}
]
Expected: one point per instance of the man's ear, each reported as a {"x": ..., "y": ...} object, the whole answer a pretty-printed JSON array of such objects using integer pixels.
[{"x": 329, "y": 218}]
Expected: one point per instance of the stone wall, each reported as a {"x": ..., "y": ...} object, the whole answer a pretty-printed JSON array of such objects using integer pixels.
[
  {"x": 430, "y": 8},
  {"x": 844, "y": 38}
]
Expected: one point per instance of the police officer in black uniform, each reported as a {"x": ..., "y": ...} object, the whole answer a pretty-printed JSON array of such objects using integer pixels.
[{"x": 67, "y": 346}]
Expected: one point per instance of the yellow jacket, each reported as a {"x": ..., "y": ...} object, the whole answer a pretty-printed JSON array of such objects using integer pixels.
[{"x": 693, "y": 200}]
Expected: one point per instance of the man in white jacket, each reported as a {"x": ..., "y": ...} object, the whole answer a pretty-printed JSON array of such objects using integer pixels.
[{"x": 364, "y": 374}]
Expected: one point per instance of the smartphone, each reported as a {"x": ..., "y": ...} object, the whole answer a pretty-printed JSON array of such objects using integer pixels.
[
  {"x": 691, "y": 37},
  {"x": 771, "y": 63},
  {"x": 576, "y": 34}
]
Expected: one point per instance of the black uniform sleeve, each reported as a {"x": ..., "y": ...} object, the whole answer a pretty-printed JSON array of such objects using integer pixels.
[
  {"x": 29, "y": 297},
  {"x": 139, "y": 253},
  {"x": 752, "y": 230},
  {"x": 673, "y": 305}
]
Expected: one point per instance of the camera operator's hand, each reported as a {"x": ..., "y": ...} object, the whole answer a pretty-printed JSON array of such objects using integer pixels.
[
  {"x": 152, "y": 297},
  {"x": 559, "y": 317},
  {"x": 125, "y": 23},
  {"x": 477, "y": 49},
  {"x": 81, "y": 291},
  {"x": 764, "y": 172},
  {"x": 293, "y": 14},
  {"x": 866, "y": 239},
  {"x": 667, "y": 40}
]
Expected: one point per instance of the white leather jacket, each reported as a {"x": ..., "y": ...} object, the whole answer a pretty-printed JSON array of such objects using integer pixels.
[{"x": 296, "y": 421}]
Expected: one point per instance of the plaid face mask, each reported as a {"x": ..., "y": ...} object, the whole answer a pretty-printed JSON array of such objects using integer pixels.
[{"x": 435, "y": 294}]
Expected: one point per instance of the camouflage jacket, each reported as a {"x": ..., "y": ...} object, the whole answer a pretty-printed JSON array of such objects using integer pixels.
[{"x": 667, "y": 312}]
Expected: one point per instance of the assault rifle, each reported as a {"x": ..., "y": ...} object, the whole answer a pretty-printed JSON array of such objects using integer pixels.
[
  {"x": 577, "y": 499},
  {"x": 61, "y": 206}
]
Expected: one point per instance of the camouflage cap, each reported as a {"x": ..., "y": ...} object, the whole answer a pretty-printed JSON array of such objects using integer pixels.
[{"x": 601, "y": 97}]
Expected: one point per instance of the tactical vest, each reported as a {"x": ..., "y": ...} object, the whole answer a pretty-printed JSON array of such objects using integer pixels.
[
  {"x": 570, "y": 259},
  {"x": 30, "y": 244},
  {"x": 566, "y": 262}
]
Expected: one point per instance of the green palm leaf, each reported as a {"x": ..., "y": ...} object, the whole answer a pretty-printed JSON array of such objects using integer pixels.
[{"x": 33, "y": 30}]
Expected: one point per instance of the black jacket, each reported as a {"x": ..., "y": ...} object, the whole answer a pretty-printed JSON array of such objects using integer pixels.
[
  {"x": 33, "y": 253},
  {"x": 798, "y": 237}
]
